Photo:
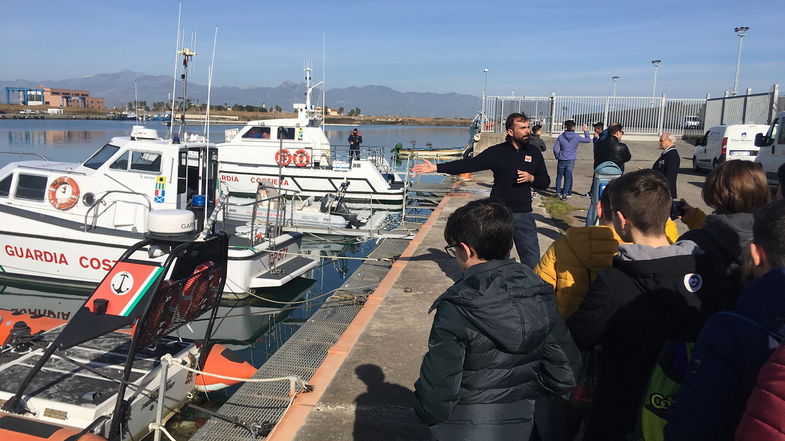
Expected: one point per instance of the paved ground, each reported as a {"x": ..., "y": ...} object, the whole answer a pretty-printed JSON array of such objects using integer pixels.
[{"x": 371, "y": 395}]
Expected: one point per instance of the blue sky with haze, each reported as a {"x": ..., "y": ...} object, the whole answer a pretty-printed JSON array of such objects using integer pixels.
[{"x": 568, "y": 47}]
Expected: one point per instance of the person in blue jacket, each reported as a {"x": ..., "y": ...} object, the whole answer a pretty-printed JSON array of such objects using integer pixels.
[
  {"x": 732, "y": 347},
  {"x": 566, "y": 152}
]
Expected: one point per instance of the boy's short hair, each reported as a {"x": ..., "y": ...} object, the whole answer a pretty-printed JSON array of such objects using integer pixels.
[
  {"x": 615, "y": 128},
  {"x": 605, "y": 201},
  {"x": 569, "y": 125},
  {"x": 598, "y": 125},
  {"x": 536, "y": 128},
  {"x": 644, "y": 199},
  {"x": 768, "y": 231},
  {"x": 736, "y": 187},
  {"x": 486, "y": 225}
]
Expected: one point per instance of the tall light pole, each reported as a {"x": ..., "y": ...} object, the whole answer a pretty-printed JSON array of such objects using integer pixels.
[
  {"x": 615, "y": 78},
  {"x": 484, "y": 94},
  {"x": 656, "y": 64},
  {"x": 741, "y": 31}
]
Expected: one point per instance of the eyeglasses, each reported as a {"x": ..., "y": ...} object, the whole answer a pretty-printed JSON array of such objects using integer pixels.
[{"x": 450, "y": 249}]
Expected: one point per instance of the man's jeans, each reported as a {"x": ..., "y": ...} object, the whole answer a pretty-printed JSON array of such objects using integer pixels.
[
  {"x": 526, "y": 239},
  {"x": 564, "y": 169}
]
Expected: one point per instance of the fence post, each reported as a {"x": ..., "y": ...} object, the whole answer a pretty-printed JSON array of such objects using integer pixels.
[
  {"x": 744, "y": 108},
  {"x": 661, "y": 118},
  {"x": 605, "y": 116},
  {"x": 722, "y": 109},
  {"x": 775, "y": 93},
  {"x": 553, "y": 112}
]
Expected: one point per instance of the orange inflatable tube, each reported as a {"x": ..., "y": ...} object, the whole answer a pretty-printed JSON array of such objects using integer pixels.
[
  {"x": 18, "y": 428},
  {"x": 37, "y": 323}
]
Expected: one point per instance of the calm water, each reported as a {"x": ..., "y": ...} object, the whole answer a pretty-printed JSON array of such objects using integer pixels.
[{"x": 260, "y": 325}]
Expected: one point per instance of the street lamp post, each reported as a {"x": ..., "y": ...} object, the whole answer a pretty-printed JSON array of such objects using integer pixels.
[
  {"x": 741, "y": 31},
  {"x": 615, "y": 78},
  {"x": 656, "y": 64},
  {"x": 484, "y": 96}
]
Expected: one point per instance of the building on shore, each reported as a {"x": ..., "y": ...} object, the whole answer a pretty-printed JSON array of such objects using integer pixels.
[{"x": 46, "y": 96}]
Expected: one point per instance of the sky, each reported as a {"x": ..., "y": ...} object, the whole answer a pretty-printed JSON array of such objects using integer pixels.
[{"x": 567, "y": 47}]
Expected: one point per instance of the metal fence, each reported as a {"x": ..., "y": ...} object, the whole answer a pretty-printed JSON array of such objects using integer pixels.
[
  {"x": 639, "y": 115},
  {"x": 750, "y": 108}
]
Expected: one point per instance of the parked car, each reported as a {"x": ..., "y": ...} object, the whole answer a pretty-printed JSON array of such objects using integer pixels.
[
  {"x": 725, "y": 143},
  {"x": 771, "y": 147}
]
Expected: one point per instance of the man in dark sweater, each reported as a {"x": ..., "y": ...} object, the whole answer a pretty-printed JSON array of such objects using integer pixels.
[
  {"x": 517, "y": 167},
  {"x": 669, "y": 161}
]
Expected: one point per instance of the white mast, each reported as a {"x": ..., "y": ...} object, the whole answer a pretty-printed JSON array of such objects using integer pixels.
[{"x": 174, "y": 75}]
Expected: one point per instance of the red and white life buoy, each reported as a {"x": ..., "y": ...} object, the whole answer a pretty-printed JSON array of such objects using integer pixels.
[
  {"x": 283, "y": 158},
  {"x": 63, "y": 193},
  {"x": 301, "y": 158}
]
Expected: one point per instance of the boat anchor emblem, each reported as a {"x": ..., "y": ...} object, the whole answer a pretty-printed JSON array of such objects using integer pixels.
[{"x": 122, "y": 282}]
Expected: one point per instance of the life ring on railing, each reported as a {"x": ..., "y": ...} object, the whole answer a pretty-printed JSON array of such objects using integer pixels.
[
  {"x": 301, "y": 158},
  {"x": 195, "y": 290},
  {"x": 63, "y": 193},
  {"x": 283, "y": 158}
]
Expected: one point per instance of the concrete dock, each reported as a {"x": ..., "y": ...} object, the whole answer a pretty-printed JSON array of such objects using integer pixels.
[{"x": 363, "y": 388}]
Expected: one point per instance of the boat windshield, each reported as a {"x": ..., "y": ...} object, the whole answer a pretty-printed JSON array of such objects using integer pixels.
[{"x": 101, "y": 156}]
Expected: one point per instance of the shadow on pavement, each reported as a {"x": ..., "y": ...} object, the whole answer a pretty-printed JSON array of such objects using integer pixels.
[
  {"x": 386, "y": 410},
  {"x": 446, "y": 263}
]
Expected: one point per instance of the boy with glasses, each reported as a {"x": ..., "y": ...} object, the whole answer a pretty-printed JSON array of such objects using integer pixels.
[{"x": 496, "y": 342}]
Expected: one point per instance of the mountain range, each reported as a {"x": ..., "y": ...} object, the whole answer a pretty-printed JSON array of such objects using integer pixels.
[{"x": 117, "y": 89}]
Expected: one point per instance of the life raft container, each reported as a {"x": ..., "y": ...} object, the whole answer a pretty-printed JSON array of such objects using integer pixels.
[
  {"x": 63, "y": 203},
  {"x": 301, "y": 158},
  {"x": 19, "y": 428},
  {"x": 283, "y": 157},
  {"x": 221, "y": 360}
]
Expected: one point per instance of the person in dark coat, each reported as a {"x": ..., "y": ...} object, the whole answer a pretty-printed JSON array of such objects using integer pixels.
[
  {"x": 535, "y": 138},
  {"x": 732, "y": 347},
  {"x": 611, "y": 148},
  {"x": 647, "y": 297},
  {"x": 355, "y": 139},
  {"x": 734, "y": 190},
  {"x": 497, "y": 341},
  {"x": 669, "y": 161},
  {"x": 517, "y": 168}
]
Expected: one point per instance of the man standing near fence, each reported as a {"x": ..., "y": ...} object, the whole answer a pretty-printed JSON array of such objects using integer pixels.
[
  {"x": 566, "y": 151},
  {"x": 355, "y": 139},
  {"x": 517, "y": 166}
]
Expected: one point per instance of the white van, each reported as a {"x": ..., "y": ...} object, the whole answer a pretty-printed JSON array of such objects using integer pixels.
[
  {"x": 724, "y": 143},
  {"x": 772, "y": 148}
]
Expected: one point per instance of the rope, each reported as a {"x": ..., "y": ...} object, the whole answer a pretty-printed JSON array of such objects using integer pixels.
[{"x": 299, "y": 302}]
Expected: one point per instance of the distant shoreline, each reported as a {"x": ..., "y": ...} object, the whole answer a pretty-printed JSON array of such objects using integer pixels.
[{"x": 11, "y": 111}]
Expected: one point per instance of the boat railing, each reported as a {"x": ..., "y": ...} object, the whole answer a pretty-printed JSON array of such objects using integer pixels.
[
  {"x": 96, "y": 214},
  {"x": 269, "y": 216},
  {"x": 374, "y": 154},
  {"x": 23, "y": 154}
]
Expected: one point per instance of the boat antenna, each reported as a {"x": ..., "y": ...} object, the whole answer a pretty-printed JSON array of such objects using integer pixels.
[
  {"x": 174, "y": 75},
  {"x": 324, "y": 79},
  {"x": 136, "y": 103},
  {"x": 187, "y": 55},
  {"x": 207, "y": 123}
]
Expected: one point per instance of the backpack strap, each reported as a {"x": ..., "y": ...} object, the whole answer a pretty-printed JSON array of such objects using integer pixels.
[{"x": 752, "y": 322}]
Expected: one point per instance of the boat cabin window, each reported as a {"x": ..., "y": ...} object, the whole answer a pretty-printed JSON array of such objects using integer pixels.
[
  {"x": 257, "y": 133},
  {"x": 5, "y": 185},
  {"x": 101, "y": 156},
  {"x": 140, "y": 161},
  {"x": 31, "y": 187},
  {"x": 285, "y": 132}
]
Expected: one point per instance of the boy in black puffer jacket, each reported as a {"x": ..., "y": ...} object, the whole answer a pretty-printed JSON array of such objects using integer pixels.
[{"x": 497, "y": 341}]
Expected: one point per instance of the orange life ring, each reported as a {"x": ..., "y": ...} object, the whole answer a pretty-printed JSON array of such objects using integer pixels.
[
  {"x": 70, "y": 200},
  {"x": 283, "y": 158},
  {"x": 301, "y": 158}
]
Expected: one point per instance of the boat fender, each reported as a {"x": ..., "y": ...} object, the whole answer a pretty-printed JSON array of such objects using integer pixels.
[
  {"x": 14, "y": 427},
  {"x": 64, "y": 201},
  {"x": 301, "y": 158},
  {"x": 283, "y": 158},
  {"x": 222, "y": 360}
]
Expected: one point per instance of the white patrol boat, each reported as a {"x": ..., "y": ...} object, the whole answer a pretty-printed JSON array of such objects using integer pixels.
[
  {"x": 295, "y": 155},
  {"x": 67, "y": 223}
]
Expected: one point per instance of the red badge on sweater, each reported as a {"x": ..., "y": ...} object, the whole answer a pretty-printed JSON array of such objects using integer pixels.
[{"x": 527, "y": 158}]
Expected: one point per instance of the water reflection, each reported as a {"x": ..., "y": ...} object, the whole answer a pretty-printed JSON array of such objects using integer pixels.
[{"x": 50, "y": 137}]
